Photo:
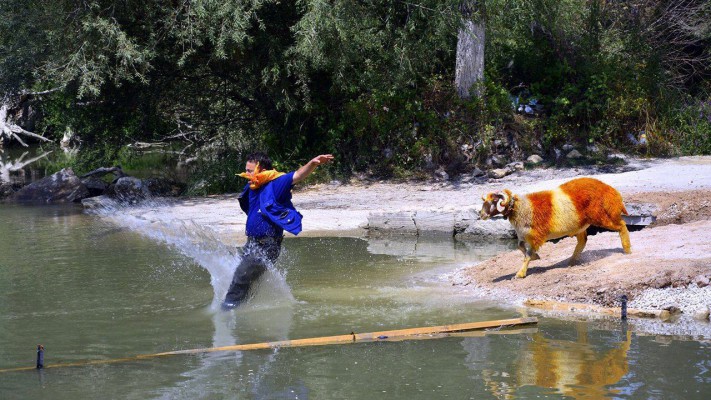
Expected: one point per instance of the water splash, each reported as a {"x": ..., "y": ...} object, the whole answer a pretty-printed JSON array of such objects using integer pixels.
[{"x": 199, "y": 243}]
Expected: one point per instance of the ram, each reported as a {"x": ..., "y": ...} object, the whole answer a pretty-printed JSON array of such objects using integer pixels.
[{"x": 565, "y": 211}]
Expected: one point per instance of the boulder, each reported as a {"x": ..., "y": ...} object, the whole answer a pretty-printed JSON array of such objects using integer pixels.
[
  {"x": 535, "y": 159},
  {"x": 477, "y": 172},
  {"x": 491, "y": 229},
  {"x": 701, "y": 314},
  {"x": 402, "y": 223},
  {"x": 640, "y": 213},
  {"x": 128, "y": 190},
  {"x": 6, "y": 190},
  {"x": 499, "y": 173},
  {"x": 515, "y": 166},
  {"x": 468, "y": 225},
  {"x": 61, "y": 187},
  {"x": 701, "y": 281},
  {"x": 163, "y": 187},
  {"x": 96, "y": 186},
  {"x": 434, "y": 222},
  {"x": 98, "y": 202},
  {"x": 574, "y": 154}
]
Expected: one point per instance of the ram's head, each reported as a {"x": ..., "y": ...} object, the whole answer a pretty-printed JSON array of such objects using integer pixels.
[{"x": 496, "y": 203}]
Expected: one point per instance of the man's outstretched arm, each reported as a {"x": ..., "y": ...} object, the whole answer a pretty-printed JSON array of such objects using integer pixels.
[{"x": 310, "y": 166}]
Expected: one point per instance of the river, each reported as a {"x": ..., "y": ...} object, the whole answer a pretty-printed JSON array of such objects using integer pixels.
[{"x": 90, "y": 289}]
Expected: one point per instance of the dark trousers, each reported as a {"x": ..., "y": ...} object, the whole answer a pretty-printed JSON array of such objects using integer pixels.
[{"x": 257, "y": 255}]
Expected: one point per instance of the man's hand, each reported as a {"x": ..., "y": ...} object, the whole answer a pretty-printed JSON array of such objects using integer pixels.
[
  {"x": 322, "y": 159},
  {"x": 309, "y": 167}
]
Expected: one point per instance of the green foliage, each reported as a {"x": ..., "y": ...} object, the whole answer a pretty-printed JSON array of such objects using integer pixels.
[
  {"x": 370, "y": 81},
  {"x": 603, "y": 70},
  {"x": 218, "y": 174},
  {"x": 688, "y": 127},
  {"x": 89, "y": 159},
  {"x": 384, "y": 45},
  {"x": 408, "y": 134}
]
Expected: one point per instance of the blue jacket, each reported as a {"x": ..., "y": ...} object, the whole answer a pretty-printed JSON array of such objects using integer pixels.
[{"x": 281, "y": 213}]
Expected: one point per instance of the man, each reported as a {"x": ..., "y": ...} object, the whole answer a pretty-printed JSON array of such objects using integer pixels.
[{"x": 266, "y": 200}]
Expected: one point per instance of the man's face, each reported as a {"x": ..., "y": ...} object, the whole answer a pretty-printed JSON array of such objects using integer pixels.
[{"x": 250, "y": 167}]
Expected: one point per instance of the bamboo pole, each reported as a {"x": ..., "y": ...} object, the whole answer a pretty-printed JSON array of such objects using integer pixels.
[{"x": 391, "y": 335}]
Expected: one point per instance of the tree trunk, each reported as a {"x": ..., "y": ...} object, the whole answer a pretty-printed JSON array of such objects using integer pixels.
[
  {"x": 470, "y": 49},
  {"x": 8, "y": 128}
]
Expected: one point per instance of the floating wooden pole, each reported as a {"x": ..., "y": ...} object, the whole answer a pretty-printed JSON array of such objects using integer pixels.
[
  {"x": 399, "y": 334},
  {"x": 582, "y": 307}
]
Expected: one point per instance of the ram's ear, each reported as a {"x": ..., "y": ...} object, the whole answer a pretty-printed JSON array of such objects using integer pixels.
[{"x": 503, "y": 201}]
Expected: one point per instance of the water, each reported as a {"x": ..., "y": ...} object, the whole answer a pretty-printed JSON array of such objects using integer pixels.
[{"x": 91, "y": 288}]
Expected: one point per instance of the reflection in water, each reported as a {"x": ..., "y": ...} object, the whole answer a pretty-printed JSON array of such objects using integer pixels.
[
  {"x": 437, "y": 248},
  {"x": 17, "y": 165},
  {"x": 573, "y": 368},
  {"x": 218, "y": 372}
]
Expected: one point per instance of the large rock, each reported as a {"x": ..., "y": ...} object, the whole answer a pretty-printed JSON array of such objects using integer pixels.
[
  {"x": 128, "y": 190},
  {"x": 389, "y": 223},
  {"x": 61, "y": 187},
  {"x": 434, "y": 222},
  {"x": 535, "y": 159},
  {"x": 98, "y": 202},
  {"x": 6, "y": 190},
  {"x": 499, "y": 173},
  {"x": 489, "y": 229},
  {"x": 468, "y": 225},
  {"x": 96, "y": 186},
  {"x": 163, "y": 187},
  {"x": 421, "y": 222},
  {"x": 462, "y": 224}
]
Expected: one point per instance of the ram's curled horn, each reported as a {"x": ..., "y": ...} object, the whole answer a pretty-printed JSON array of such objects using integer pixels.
[{"x": 503, "y": 201}]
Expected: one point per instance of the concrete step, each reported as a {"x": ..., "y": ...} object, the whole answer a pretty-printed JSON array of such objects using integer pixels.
[{"x": 465, "y": 223}]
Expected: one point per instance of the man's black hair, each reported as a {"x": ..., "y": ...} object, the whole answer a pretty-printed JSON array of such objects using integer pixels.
[{"x": 263, "y": 159}]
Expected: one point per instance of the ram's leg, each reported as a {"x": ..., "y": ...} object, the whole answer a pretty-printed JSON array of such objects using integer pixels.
[
  {"x": 621, "y": 227},
  {"x": 522, "y": 272},
  {"x": 529, "y": 253},
  {"x": 522, "y": 247},
  {"x": 625, "y": 236},
  {"x": 582, "y": 240}
]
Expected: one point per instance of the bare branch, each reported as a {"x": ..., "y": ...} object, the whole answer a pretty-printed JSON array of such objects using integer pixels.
[{"x": 104, "y": 170}]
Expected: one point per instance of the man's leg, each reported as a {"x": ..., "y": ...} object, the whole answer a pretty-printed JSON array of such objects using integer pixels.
[
  {"x": 258, "y": 254},
  {"x": 249, "y": 270}
]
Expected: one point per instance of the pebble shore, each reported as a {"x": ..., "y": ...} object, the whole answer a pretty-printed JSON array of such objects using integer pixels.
[{"x": 693, "y": 302}]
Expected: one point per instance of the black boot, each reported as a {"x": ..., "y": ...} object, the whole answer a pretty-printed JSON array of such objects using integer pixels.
[
  {"x": 235, "y": 296},
  {"x": 248, "y": 271}
]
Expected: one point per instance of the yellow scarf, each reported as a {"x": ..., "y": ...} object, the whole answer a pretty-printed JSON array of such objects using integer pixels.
[{"x": 260, "y": 178}]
